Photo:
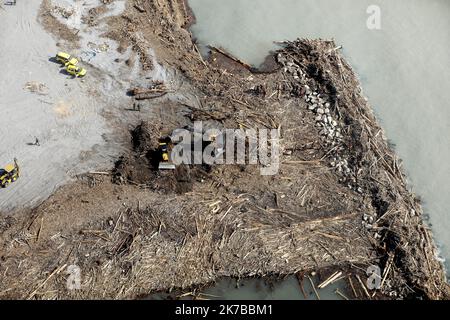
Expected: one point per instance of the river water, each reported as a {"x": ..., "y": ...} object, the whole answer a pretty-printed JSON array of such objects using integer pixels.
[
  {"x": 404, "y": 68},
  {"x": 259, "y": 289}
]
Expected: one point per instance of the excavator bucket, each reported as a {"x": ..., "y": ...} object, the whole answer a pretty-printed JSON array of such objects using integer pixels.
[{"x": 166, "y": 166}]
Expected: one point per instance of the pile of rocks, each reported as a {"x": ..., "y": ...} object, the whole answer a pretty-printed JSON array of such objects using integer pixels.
[
  {"x": 368, "y": 223},
  {"x": 331, "y": 130},
  {"x": 318, "y": 104},
  {"x": 330, "y": 126}
]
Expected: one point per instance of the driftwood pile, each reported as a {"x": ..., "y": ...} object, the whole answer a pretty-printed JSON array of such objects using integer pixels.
[
  {"x": 155, "y": 90},
  {"x": 397, "y": 229}
]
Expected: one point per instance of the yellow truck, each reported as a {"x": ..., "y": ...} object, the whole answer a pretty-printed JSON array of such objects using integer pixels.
[{"x": 9, "y": 174}]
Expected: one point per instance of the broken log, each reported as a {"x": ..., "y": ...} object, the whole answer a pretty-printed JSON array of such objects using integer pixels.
[
  {"x": 230, "y": 56},
  {"x": 148, "y": 93}
]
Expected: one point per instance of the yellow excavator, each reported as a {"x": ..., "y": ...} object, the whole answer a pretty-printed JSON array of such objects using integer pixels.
[
  {"x": 165, "y": 163},
  {"x": 9, "y": 174}
]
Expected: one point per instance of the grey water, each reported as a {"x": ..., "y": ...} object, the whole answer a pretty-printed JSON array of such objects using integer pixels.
[
  {"x": 404, "y": 68},
  {"x": 287, "y": 289},
  {"x": 259, "y": 289}
]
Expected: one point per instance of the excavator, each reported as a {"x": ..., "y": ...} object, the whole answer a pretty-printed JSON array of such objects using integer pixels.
[
  {"x": 9, "y": 174},
  {"x": 165, "y": 163}
]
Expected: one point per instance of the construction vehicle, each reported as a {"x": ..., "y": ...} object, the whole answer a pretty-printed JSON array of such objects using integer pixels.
[
  {"x": 66, "y": 59},
  {"x": 9, "y": 174},
  {"x": 76, "y": 71},
  {"x": 165, "y": 162}
]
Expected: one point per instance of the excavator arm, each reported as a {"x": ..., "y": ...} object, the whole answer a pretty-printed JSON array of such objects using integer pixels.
[{"x": 17, "y": 167}]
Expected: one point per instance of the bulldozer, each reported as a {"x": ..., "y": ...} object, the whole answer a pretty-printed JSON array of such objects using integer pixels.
[
  {"x": 9, "y": 174},
  {"x": 165, "y": 162}
]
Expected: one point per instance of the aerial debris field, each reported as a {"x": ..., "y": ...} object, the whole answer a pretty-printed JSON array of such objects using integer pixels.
[{"x": 338, "y": 202}]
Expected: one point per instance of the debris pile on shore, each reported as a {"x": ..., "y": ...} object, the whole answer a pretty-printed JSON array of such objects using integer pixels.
[
  {"x": 339, "y": 201},
  {"x": 369, "y": 166},
  {"x": 320, "y": 105}
]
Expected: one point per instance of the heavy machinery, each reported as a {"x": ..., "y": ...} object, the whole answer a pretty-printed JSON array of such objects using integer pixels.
[
  {"x": 76, "y": 70},
  {"x": 9, "y": 174},
  {"x": 165, "y": 162},
  {"x": 66, "y": 59}
]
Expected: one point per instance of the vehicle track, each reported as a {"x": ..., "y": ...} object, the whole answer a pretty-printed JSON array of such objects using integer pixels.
[{"x": 64, "y": 134}]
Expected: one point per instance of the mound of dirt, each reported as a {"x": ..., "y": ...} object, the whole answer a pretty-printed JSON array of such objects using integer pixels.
[{"x": 140, "y": 166}]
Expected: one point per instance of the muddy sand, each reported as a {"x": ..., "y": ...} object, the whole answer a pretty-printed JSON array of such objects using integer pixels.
[{"x": 338, "y": 203}]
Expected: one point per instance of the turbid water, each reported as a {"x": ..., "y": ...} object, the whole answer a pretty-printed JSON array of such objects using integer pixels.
[
  {"x": 257, "y": 289},
  {"x": 404, "y": 68}
]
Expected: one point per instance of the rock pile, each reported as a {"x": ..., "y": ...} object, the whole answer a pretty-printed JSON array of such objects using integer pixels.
[
  {"x": 330, "y": 128},
  {"x": 329, "y": 124}
]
